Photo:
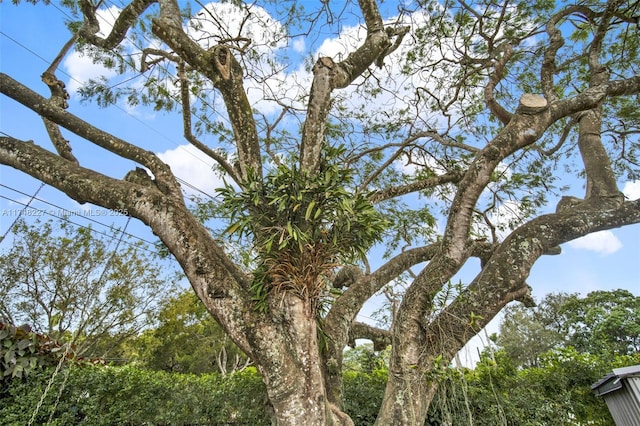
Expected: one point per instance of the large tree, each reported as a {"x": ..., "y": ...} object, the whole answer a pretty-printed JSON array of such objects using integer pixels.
[
  {"x": 466, "y": 109},
  {"x": 605, "y": 323},
  {"x": 73, "y": 286}
]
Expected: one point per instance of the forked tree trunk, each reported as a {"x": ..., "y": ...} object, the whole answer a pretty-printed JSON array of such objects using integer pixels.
[{"x": 292, "y": 366}]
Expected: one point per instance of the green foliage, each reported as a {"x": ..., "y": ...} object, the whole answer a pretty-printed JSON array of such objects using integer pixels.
[
  {"x": 553, "y": 353},
  {"x": 302, "y": 224},
  {"x": 363, "y": 393},
  {"x": 410, "y": 226},
  {"x": 22, "y": 352},
  {"x": 99, "y": 395},
  {"x": 363, "y": 358},
  {"x": 186, "y": 339},
  {"x": 130, "y": 396},
  {"x": 65, "y": 282},
  {"x": 603, "y": 323},
  {"x": 526, "y": 333},
  {"x": 556, "y": 393}
]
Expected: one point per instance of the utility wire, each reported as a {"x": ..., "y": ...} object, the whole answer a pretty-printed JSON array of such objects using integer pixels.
[
  {"x": 21, "y": 212},
  {"x": 145, "y": 124},
  {"x": 64, "y": 212},
  {"x": 93, "y": 230}
]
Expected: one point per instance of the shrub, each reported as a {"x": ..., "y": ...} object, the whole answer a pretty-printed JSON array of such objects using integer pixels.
[{"x": 100, "y": 395}]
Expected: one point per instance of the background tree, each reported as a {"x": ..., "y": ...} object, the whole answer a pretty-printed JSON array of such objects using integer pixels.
[
  {"x": 464, "y": 108},
  {"x": 186, "y": 339},
  {"x": 527, "y": 332},
  {"x": 604, "y": 323},
  {"x": 65, "y": 282}
]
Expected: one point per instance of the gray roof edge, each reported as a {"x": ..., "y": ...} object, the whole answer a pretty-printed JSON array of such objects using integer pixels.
[{"x": 632, "y": 370}]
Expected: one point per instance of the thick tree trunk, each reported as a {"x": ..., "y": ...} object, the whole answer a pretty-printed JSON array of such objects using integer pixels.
[
  {"x": 407, "y": 397},
  {"x": 288, "y": 357}
]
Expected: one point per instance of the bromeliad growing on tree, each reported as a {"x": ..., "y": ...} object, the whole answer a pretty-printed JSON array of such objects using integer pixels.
[{"x": 303, "y": 225}]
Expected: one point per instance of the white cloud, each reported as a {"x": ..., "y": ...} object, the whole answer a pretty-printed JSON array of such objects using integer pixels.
[
  {"x": 226, "y": 21},
  {"x": 631, "y": 190},
  {"x": 80, "y": 67},
  {"x": 603, "y": 242},
  {"x": 338, "y": 48},
  {"x": 140, "y": 112},
  {"x": 299, "y": 45},
  {"x": 192, "y": 166}
]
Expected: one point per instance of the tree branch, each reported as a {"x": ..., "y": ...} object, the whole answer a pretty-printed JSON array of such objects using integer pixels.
[
  {"x": 601, "y": 181},
  {"x": 563, "y": 137},
  {"x": 329, "y": 75},
  {"x": 224, "y": 71},
  {"x": 420, "y": 185},
  {"x": 186, "y": 122},
  {"x": 363, "y": 286},
  {"x": 591, "y": 97},
  {"x": 548, "y": 70},
  {"x": 381, "y": 338},
  {"x": 22, "y": 94},
  {"x": 59, "y": 96},
  {"x": 498, "y": 72},
  {"x": 125, "y": 20}
]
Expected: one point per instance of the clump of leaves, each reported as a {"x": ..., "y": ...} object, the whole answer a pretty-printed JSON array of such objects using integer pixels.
[
  {"x": 23, "y": 351},
  {"x": 302, "y": 225}
]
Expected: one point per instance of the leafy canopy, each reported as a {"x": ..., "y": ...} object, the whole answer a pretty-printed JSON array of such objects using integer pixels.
[{"x": 74, "y": 286}]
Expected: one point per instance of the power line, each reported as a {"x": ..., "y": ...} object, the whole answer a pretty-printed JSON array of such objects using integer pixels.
[
  {"x": 138, "y": 120},
  {"x": 65, "y": 212},
  {"x": 41, "y": 212},
  {"x": 187, "y": 184},
  {"x": 21, "y": 212}
]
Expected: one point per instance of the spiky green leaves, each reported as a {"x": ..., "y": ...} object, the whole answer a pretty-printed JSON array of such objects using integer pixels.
[{"x": 303, "y": 224}]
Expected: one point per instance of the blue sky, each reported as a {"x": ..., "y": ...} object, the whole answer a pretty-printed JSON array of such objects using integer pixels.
[{"x": 31, "y": 36}]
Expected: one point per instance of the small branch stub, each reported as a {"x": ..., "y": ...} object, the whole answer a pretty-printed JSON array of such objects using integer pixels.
[{"x": 532, "y": 104}]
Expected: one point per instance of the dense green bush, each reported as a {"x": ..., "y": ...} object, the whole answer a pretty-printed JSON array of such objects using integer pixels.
[
  {"x": 99, "y": 395},
  {"x": 363, "y": 395},
  {"x": 497, "y": 392}
]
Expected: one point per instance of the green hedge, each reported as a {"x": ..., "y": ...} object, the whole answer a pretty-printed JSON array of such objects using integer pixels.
[
  {"x": 98, "y": 395},
  {"x": 363, "y": 395},
  {"x": 490, "y": 394},
  {"x": 102, "y": 395}
]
